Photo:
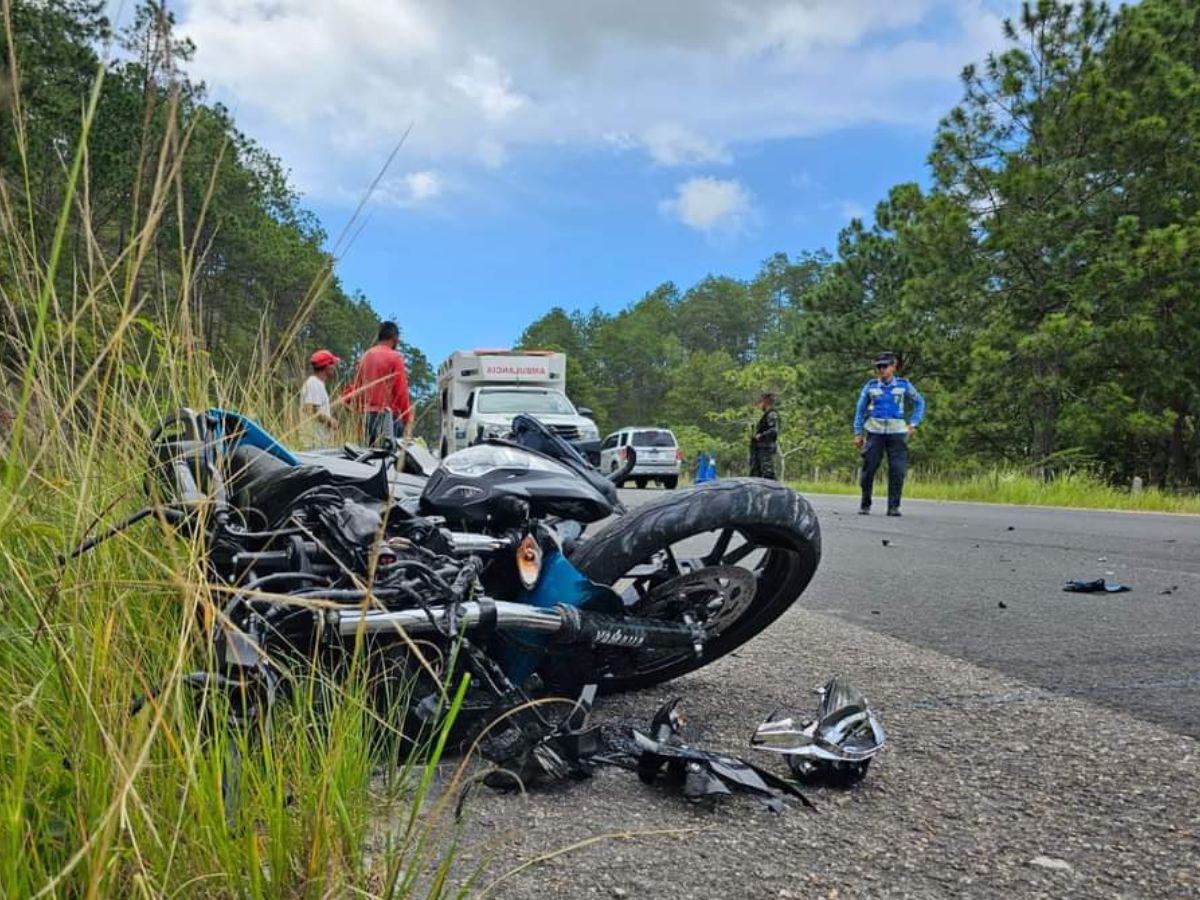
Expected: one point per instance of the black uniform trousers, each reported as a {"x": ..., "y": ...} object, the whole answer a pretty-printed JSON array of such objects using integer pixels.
[{"x": 896, "y": 448}]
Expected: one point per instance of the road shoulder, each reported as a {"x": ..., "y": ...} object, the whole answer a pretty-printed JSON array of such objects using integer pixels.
[{"x": 984, "y": 775}]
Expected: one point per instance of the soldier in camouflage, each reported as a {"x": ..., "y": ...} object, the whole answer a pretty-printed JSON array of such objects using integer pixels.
[{"x": 765, "y": 441}]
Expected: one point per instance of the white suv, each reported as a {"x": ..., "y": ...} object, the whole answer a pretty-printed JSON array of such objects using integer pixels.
[{"x": 658, "y": 455}]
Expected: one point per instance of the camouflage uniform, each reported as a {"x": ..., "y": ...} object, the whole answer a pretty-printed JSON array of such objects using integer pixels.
[{"x": 764, "y": 444}]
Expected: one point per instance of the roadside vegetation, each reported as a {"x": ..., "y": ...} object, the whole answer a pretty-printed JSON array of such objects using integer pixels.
[
  {"x": 1040, "y": 285},
  {"x": 151, "y": 257},
  {"x": 1074, "y": 490},
  {"x": 1041, "y": 292}
]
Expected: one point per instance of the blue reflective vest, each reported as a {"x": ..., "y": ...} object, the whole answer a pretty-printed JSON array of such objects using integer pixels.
[{"x": 880, "y": 407}]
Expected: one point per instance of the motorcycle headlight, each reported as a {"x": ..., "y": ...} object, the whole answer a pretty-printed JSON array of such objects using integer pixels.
[
  {"x": 529, "y": 561},
  {"x": 479, "y": 460}
]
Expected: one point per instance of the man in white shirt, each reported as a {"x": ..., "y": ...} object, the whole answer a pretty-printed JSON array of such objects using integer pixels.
[{"x": 316, "y": 415}]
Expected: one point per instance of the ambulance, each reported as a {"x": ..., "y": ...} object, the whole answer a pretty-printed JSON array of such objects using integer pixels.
[{"x": 480, "y": 391}]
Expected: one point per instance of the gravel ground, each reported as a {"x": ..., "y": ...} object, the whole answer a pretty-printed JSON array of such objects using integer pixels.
[{"x": 990, "y": 786}]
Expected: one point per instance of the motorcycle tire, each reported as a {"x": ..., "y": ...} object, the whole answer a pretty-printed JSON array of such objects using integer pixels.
[{"x": 777, "y": 517}]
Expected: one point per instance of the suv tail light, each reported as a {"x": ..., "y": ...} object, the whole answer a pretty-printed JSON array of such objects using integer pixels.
[{"x": 678, "y": 455}]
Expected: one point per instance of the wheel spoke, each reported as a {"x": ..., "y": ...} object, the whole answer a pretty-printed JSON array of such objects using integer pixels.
[
  {"x": 720, "y": 547},
  {"x": 739, "y": 554}
]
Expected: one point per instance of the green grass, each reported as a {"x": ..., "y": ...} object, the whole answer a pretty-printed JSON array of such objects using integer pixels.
[
  {"x": 1078, "y": 490},
  {"x": 95, "y": 801}
]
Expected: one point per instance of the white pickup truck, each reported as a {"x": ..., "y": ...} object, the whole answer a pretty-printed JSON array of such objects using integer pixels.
[{"x": 480, "y": 391}]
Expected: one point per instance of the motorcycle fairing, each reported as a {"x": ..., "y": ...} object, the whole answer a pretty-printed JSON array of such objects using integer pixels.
[
  {"x": 560, "y": 583},
  {"x": 245, "y": 430}
]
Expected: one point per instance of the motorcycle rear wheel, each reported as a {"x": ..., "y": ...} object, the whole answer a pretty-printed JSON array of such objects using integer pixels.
[{"x": 760, "y": 525}]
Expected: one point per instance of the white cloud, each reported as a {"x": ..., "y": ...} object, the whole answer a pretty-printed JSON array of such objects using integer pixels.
[
  {"x": 710, "y": 205},
  {"x": 408, "y": 190},
  {"x": 330, "y": 85},
  {"x": 670, "y": 144},
  {"x": 423, "y": 185},
  {"x": 484, "y": 82}
]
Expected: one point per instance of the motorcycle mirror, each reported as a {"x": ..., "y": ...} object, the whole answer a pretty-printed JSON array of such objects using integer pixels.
[{"x": 629, "y": 459}]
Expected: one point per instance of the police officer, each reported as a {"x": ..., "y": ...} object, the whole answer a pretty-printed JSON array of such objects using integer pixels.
[
  {"x": 765, "y": 441},
  {"x": 880, "y": 427}
]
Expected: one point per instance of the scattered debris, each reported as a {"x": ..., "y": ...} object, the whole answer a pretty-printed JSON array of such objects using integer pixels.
[
  {"x": 1099, "y": 586},
  {"x": 1172, "y": 589},
  {"x": 875, "y": 612},
  {"x": 1011, "y": 528},
  {"x": 527, "y": 745},
  {"x": 885, "y": 542},
  {"x": 570, "y": 750},
  {"x": 1052, "y": 863},
  {"x": 702, "y": 774},
  {"x": 1002, "y": 605},
  {"x": 835, "y": 747},
  {"x": 1102, "y": 559}
]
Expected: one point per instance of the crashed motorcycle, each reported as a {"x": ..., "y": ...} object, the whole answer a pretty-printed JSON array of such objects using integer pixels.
[{"x": 483, "y": 565}]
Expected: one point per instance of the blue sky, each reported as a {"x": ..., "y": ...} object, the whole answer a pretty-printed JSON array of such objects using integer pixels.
[{"x": 580, "y": 154}]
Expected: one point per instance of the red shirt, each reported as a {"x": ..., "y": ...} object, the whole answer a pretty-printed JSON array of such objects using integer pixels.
[{"x": 381, "y": 383}]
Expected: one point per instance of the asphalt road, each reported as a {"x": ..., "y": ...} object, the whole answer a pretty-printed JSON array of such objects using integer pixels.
[
  {"x": 1041, "y": 749},
  {"x": 947, "y": 567}
]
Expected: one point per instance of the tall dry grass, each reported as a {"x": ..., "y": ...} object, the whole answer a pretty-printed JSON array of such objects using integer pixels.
[{"x": 95, "y": 801}]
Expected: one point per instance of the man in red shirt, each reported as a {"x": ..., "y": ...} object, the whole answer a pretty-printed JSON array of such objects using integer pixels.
[{"x": 380, "y": 388}]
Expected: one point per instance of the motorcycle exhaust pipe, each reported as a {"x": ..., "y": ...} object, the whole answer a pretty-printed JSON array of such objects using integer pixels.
[
  {"x": 565, "y": 624},
  {"x": 498, "y": 614}
]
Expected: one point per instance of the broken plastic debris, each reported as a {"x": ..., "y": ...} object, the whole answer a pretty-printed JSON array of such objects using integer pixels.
[
  {"x": 837, "y": 746},
  {"x": 1099, "y": 586},
  {"x": 702, "y": 774},
  {"x": 527, "y": 745}
]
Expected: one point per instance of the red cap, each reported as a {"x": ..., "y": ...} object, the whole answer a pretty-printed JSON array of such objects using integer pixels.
[{"x": 323, "y": 358}]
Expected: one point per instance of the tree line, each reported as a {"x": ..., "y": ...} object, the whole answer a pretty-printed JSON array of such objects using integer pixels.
[
  {"x": 1041, "y": 290},
  {"x": 174, "y": 201}
]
